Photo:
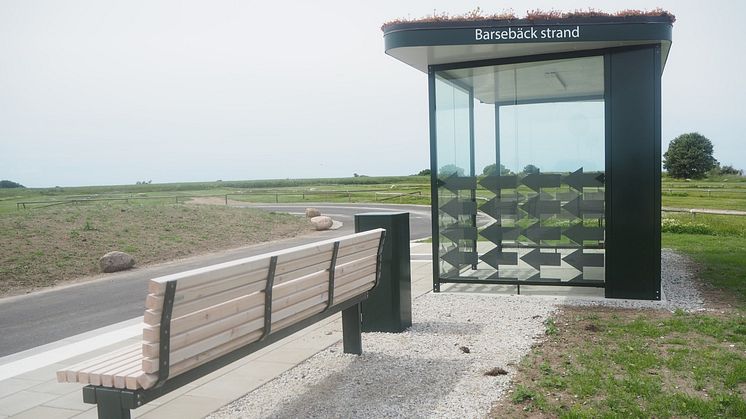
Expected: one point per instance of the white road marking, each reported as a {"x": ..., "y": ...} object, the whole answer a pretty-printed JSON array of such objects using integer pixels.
[{"x": 35, "y": 358}]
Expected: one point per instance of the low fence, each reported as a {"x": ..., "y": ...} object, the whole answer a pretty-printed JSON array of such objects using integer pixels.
[{"x": 377, "y": 194}]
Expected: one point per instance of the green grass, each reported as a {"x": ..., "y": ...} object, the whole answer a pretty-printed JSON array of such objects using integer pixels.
[
  {"x": 43, "y": 247},
  {"x": 354, "y": 189},
  {"x": 635, "y": 364}
]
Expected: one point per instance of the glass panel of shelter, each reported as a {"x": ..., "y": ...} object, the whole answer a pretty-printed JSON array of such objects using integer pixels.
[{"x": 523, "y": 144}]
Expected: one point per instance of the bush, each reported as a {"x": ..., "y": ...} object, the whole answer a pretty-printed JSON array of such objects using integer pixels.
[
  {"x": 672, "y": 225},
  {"x": 7, "y": 184}
]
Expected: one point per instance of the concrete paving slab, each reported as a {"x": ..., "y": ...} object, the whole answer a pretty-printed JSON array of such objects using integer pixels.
[
  {"x": 53, "y": 387},
  {"x": 72, "y": 401},
  {"x": 236, "y": 383},
  {"x": 23, "y": 400},
  {"x": 16, "y": 384},
  {"x": 44, "y": 412},
  {"x": 186, "y": 406}
]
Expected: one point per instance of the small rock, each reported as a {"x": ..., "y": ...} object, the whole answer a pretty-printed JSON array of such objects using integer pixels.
[
  {"x": 312, "y": 212},
  {"x": 465, "y": 349},
  {"x": 115, "y": 261},
  {"x": 494, "y": 372},
  {"x": 322, "y": 222}
]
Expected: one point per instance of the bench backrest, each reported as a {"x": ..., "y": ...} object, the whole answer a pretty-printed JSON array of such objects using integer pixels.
[{"x": 217, "y": 309}]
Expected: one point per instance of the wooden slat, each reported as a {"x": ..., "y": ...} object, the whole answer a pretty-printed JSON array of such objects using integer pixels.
[
  {"x": 150, "y": 365},
  {"x": 300, "y": 284},
  {"x": 209, "y": 274},
  {"x": 354, "y": 276},
  {"x": 355, "y": 292},
  {"x": 93, "y": 375},
  {"x": 301, "y": 315},
  {"x": 356, "y": 265},
  {"x": 233, "y": 283},
  {"x": 147, "y": 381},
  {"x": 198, "y": 276},
  {"x": 192, "y": 336},
  {"x": 70, "y": 374},
  {"x": 354, "y": 285},
  {"x": 132, "y": 379},
  {"x": 153, "y": 317},
  {"x": 357, "y": 251},
  {"x": 120, "y": 380},
  {"x": 205, "y": 316},
  {"x": 107, "y": 377}
]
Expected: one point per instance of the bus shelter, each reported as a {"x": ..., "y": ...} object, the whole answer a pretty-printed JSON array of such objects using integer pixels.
[{"x": 545, "y": 149}]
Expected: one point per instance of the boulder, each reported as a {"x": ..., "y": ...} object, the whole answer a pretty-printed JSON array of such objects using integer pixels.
[
  {"x": 322, "y": 222},
  {"x": 115, "y": 261},
  {"x": 312, "y": 212}
]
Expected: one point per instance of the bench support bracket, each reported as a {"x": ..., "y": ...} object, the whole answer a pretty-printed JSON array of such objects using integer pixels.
[
  {"x": 352, "y": 340},
  {"x": 108, "y": 402}
]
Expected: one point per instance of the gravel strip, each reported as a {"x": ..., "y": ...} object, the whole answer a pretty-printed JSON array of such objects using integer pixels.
[{"x": 435, "y": 369}]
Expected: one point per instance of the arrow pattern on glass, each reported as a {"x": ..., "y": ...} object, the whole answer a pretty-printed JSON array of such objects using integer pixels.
[
  {"x": 536, "y": 233},
  {"x": 579, "y": 206},
  {"x": 579, "y": 180},
  {"x": 536, "y": 258},
  {"x": 578, "y": 233},
  {"x": 497, "y": 233},
  {"x": 496, "y": 183},
  {"x": 536, "y": 207},
  {"x": 497, "y": 207},
  {"x": 497, "y": 257},
  {"x": 578, "y": 259},
  {"x": 456, "y": 207},
  {"x": 460, "y": 233},
  {"x": 458, "y": 258},
  {"x": 536, "y": 181},
  {"x": 458, "y": 183}
]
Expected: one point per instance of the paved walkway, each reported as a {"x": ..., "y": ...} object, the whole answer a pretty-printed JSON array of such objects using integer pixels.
[{"x": 28, "y": 387}]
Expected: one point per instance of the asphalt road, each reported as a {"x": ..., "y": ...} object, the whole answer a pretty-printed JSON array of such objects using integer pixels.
[{"x": 36, "y": 319}]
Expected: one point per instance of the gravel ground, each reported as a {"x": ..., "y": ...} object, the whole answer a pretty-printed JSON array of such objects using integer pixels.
[{"x": 436, "y": 369}]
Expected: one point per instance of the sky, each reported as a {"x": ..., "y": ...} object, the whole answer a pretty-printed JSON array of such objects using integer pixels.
[{"x": 96, "y": 92}]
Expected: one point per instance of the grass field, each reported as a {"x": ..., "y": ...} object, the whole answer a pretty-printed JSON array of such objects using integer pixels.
[{"x": 47, "y": 246}]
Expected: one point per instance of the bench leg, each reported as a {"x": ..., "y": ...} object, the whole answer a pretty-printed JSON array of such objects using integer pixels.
[
  {"x": 109, "y": 404},
  {"x": 352, "y": 330}
]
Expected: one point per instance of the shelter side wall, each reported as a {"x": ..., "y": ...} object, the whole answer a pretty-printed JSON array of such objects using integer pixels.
[{"x": 633, "y": 170}]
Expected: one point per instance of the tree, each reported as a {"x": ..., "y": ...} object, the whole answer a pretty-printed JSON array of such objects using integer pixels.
[
  {"x": 530, "y": 168},
  {"x": 689, "y": 156},
  {"x": 424, "y": 172},
  {"x": 7, "y": 184},
  {"x": 450, "y": 169},
  {"x": 491, "y": 170},
  {"x": 729, "y": 170}
]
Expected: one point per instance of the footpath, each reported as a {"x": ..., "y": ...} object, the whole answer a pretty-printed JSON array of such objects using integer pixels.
[{"x": 29, "y": 389}]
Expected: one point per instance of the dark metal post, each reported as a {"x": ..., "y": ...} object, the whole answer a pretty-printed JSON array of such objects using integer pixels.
[
  {"x": 434, "y": 180},
  {"x": 389, "y": 306},
  {"x": 109, "y": 404},
  {"x": 352, "y": 340}
]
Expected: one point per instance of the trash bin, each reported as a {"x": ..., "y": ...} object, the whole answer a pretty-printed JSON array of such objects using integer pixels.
[{"x": 389, "y": 306}]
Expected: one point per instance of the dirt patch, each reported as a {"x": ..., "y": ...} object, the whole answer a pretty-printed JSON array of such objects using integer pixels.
[{"x": 46, "y": 247}]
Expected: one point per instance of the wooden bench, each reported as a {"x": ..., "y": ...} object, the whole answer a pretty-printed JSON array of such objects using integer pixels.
[{"x": 200, "y": 320}]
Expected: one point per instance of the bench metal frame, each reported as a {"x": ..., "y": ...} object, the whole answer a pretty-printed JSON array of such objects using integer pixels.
[{"x": 114, "y": 403}]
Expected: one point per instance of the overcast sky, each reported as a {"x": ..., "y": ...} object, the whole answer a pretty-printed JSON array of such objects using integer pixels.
[{"x": 99, "y": 92}]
